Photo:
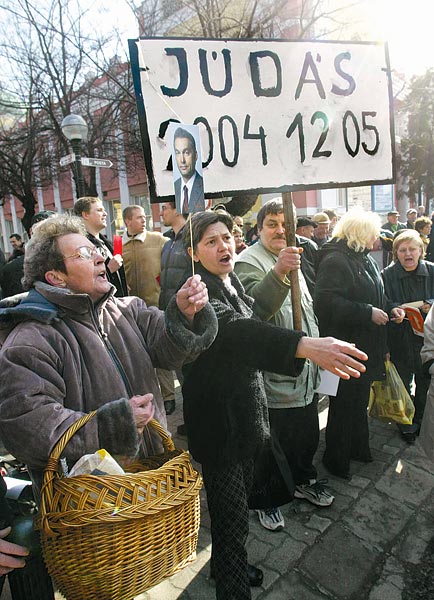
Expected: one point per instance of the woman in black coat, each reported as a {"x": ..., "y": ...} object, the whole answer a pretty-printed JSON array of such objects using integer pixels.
[
  {"x": 349, "y": 302},
  {"x": 225, "y": 407},
  {"x": 409, "y": 279}
]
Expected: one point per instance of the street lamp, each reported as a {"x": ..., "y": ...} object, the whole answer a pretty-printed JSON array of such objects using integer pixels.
[{"x": 74, "y": 128}]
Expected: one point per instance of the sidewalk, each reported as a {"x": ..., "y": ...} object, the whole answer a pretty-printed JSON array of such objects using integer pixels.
[{"x": 360, "y": 548}]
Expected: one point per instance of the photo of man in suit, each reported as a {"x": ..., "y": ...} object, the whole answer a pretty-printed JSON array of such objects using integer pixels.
[{"x": 189, "y": 194}]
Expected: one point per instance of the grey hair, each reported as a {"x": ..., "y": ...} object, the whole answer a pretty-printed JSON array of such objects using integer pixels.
[{"x": 42, "y": 251}]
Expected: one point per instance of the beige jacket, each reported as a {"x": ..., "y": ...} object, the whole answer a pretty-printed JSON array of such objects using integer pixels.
[{"x": 142, "y": 263}]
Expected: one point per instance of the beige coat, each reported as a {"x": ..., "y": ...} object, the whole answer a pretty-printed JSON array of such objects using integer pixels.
[{"x": 142, "y": 263}]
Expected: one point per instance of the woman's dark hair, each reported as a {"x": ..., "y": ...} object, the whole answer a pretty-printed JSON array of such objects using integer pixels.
[
  {"x": 271, "y": 207},
  {"x": 200, "y": 222},
  {"x": 422, "y": 222}
]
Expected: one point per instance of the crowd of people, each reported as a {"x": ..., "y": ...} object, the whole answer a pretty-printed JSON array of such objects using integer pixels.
[{"x": 209, "y": 302}]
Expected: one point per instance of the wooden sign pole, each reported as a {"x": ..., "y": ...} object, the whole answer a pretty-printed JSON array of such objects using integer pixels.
[{"x": 288, "y": 211}]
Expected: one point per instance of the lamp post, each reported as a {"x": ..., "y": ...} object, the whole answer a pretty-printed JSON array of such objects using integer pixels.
[{"x": 74, "y": 128}]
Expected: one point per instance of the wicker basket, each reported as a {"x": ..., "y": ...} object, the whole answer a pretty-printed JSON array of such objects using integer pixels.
[{"x": 115, "y": 536}]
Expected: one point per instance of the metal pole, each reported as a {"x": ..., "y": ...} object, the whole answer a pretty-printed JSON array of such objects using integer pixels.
[
  {"x": 288, "y": 211},
  {"x": 79, "y": 179}
]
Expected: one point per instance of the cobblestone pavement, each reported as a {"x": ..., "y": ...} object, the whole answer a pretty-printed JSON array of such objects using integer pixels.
[
  {"x": 364, "y": 547},
  {"x": 361, "y": 547}
]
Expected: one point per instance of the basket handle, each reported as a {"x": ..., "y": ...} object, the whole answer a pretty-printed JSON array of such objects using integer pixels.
[
  {"x": 65, "y": 438},
  {"x": 51, "y": 470}
]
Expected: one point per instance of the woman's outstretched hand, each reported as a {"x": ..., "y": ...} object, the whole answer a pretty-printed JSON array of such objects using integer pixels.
[{"x": 331, "y": 354}]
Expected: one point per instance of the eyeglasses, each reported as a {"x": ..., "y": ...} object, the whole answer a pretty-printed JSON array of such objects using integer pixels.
[{"x": 84, "y": 252}]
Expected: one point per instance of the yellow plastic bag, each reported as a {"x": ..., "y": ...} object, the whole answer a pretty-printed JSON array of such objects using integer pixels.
[{"x": 389, "y": 400}]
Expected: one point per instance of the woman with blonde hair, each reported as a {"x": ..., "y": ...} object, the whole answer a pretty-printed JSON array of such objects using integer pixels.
[{"x": 350, "y": 304}]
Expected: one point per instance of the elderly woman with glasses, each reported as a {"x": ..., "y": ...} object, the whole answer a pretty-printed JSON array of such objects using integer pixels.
[
  {"x": 71, "y": 347},
  {"x": 409, "y": 278}
]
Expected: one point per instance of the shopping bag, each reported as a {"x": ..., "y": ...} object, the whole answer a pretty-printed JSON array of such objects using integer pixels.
[{"x": 389, "y": 400}]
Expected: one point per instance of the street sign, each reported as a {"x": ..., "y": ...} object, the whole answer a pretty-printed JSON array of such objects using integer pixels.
[
  {"x": 89, "y": 161},
  {"x": 66, "y": 160}
]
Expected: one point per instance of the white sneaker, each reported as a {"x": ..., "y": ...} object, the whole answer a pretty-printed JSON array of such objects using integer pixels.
[
  {"x": 271, "y": 518},
  {"x": 315, "y": 492}
]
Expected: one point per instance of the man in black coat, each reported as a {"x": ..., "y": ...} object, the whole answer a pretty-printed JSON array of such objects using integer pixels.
[
  {"x": 174, "y": 258},
  {"x": 94, "y": 216},
  {"x": 411, "y": 218},
  {"x": 17, "y": 246},
  {"x": 393, "y": 225},
  {"x": 174, "y": 264},
  {"x": 10, "y": 277},
  {"x": 13, "y": 271}
]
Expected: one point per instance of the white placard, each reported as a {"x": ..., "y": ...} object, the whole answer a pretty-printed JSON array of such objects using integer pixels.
[{"x": 273, "y": 115}]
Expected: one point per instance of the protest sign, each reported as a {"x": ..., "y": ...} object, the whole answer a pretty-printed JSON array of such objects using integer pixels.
[{"x": 273, "y": 115}]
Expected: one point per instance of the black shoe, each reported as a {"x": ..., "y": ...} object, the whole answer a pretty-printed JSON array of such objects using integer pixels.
[
  {"x": 254, "y": 575},
  {"x": 409, "y": 436},
  {"x": 169, "y": 406},
  {"x": 182, "y": 430},
  {"x": 409, "y": 433}
]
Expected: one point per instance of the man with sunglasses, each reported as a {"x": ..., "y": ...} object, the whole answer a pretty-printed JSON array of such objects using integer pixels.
[{"x": 74, "y": 347}]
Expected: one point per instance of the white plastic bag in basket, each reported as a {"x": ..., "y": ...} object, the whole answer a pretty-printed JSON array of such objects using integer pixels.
[{"x": 99, "y": 463}]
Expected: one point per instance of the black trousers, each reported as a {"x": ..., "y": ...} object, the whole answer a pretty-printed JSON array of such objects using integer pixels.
[
  {"x": 227, "y": 492},
  {"x": 422, "y": 381},
  {"x": 297, "y": 430},
  {"x": 32, "y": 582},
  {"x": 347, "y": 432}
]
